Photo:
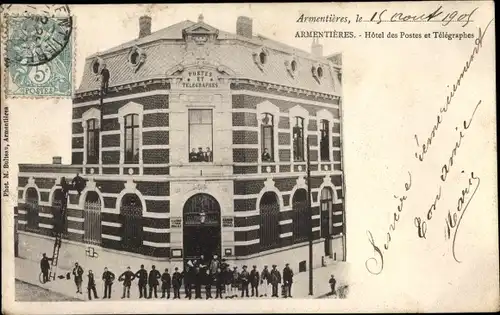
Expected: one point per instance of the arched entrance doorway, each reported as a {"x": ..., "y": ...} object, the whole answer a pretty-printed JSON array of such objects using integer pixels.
[
  {"x": 201, "y": 227},
  {"x": 326, "y": 207}
]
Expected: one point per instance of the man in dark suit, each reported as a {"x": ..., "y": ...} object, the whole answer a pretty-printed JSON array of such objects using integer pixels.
[
  {"x": 78, "y": 274},
  {"x": 244, "y": 279},
  {"x": 193, "y": 156},
  {"x": 176, "y": 283},
  {"x": 266, "y": 157},
  {"x": 332, "y": 283},
  {"x": 108, "y": 277},
  {"x": 166, "y": 283},
  {"x": 127, "y": 277},
  {"x": 45, "y": 267},
  {"x": 254, "y": 281},
  {"x": 275, "y": 280},
  {"x": 142, "y": 275},
  {"x": 288, "y": 280},
  {"x": 201, "y": 155},
  {"x": 154, "y": 275},
  {"x": 91, "y": 286}
]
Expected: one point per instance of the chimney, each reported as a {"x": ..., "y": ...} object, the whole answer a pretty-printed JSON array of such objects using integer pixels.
[
  {"x": 144, "y": 26},
  {"x": 316, "y": 48},
  {"x": 244, "y": 26},
  {"x": 56, "y": 160}
]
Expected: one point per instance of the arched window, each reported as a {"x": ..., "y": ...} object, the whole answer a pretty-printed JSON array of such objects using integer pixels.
[
  {"x": 298, "y": 139},
  {"x": 269, "y": 221},
  {"x": 131, "y": 139},
  {"x": 267, "y": 132},
  {"x": 60, "y": 218},
  {"x": 131, "y": 217},
  {"x": 92, "y": 218},
  {"x": 32, "y": 209},
  {"x": 302, "y": 216},
  {"x": 326, "y": 206},
  {"x": 325, "y": 140},
  {"x": 92, "y": 141}
]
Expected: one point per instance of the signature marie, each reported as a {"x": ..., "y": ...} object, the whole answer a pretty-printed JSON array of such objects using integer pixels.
[{"x": 375, "y": 264}]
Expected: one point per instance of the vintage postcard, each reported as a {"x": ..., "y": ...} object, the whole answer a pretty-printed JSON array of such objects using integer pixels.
[{"x": 251, "y": 157}]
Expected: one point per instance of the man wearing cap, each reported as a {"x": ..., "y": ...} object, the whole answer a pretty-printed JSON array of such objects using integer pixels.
[
  {"x": 265, "y": 280},
  {"x": 45, "y": 266},
  {"x": 127, "y": 277},
  {"x": 235, "y": 282},
  {"x": 244, "y": 278},
  {"x": 288, "y": 280},
  {"x": 275, "y": 280},
  {"x": 166, "y": 283},
  {"x": 142, "y": 275},
  {"x": 254, "y": 281},
  {"x": 154, "y": 275},
  {"x": 332, "y": 285},
  {"x": 108, "y": 277},
  {"x": 228, "y": 279},
  {"x": 176, "y": 283}
]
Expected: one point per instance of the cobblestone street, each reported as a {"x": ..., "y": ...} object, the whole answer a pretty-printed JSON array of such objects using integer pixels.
[{"x": 32, "y": 293}]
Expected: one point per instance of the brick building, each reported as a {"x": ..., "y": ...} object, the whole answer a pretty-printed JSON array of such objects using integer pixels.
[{"x": 199, "y": 147}]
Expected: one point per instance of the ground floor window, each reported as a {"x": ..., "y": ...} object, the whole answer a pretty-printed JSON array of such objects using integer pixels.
[
  {"x": 32, "y": 209},
  {"x": 269, "y": 221},
  {"x": 60, "y": 216},
  {"x": 131, "y": 219},
  {"x": 326, "y": 204},
  {"x": 302, "y": 216},
  {"x": 92, "y": 219}
]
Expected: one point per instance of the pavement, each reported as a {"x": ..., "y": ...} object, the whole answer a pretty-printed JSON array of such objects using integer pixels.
[{"x": 29, "y": 271}]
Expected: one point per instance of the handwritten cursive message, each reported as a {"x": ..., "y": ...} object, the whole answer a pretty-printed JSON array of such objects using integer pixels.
[{"x": 375, "y": 263}]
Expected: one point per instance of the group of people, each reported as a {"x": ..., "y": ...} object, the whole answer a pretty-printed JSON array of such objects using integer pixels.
[
  {"x": 200, "y": 156},
  {"x": 198, "y": 276}
]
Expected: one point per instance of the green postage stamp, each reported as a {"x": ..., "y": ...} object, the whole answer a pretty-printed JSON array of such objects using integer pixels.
[{"x": 39, "y": 56}]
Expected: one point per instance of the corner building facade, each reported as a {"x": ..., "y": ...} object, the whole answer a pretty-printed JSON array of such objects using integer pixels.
[{"x": 199, "y": 147}]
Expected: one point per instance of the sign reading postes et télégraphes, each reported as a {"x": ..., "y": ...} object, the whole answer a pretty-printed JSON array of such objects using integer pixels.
[{"x": 200, "y": 79}]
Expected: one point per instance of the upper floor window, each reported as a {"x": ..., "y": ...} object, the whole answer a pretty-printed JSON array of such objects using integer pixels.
[
  {"x": 325, "y": 140},
  {"x": 92, "y": 141},
  {"x": 200, "y": 135},
  {"x": 298, "y": 139},
  {"x": 267, "y": 132},
  {"x": 131, "y": 139}
]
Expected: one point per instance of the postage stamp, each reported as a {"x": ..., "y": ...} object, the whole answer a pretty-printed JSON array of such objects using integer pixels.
[{"x": 39, "y": 56}]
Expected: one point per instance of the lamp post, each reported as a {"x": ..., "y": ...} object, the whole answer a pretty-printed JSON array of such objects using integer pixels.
[{"x": 310, "y": 219}]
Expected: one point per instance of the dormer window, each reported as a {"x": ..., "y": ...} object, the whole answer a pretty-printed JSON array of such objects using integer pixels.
[
  {"x": 136, "y": 57},
  {"x": 263, "y": 58},
  {"x": 317, "y": 72},
  {"x": 260, "y": 57},
  {"x": 96, "y": 66},
  {"x": 291, "y": 66}
]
